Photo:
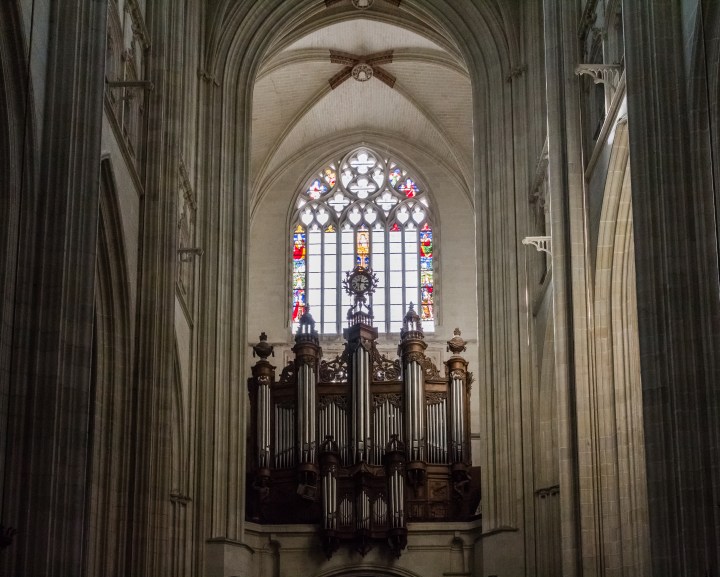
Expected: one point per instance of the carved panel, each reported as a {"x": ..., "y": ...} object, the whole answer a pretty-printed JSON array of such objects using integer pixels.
[
  {"x": 435, "y": 398},
  {"x": 430, "y": 370},
  {"x": 380, "y": 399},
  {"x": 288, "y": 374},
  {"x": 334, "y": 370},
  {"x": 385, "y": 369},
  {"x": 438, "y": 489},
  {"x": 340, "y": 400}
]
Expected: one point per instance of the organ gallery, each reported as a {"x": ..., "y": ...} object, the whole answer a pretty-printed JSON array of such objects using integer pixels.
[{"x": 361, "y": 444}]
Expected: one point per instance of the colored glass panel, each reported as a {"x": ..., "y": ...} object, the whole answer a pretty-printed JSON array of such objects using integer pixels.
[
  {"x": 395, "y": 176},
  {"x": 316, "y": 190},
  {"x": 408, "y": 188},
  {"x": 330, "y": 177},
  {"x": 299, "y": 271},
  {"x": 426, "y": 274},
  {"x": 362, "y": 250},
  {"x": 362, "y": 210}
]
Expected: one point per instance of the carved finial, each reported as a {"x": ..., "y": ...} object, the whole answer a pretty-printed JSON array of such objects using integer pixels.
[
  {"x": 456, "y": 345},
  {"x": 411, "y": 322},
  {"x": 263, "y": 349},
  {"x": 306, "y": 329},
  {"x": 307, "y": 320}
]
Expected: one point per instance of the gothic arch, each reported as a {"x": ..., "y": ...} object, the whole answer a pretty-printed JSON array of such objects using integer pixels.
[
  {"x": 617, "y": 398},
  {"x": 545, "y": 460},
  {"x": 111, "y": 391},
  {"x": 240, "y": 35},
  {"x": 179, "y": 477},
  {"x": 16, "y": 160}
]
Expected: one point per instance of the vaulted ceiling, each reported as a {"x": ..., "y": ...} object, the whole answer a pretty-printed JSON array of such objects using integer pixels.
[{"x": 419, "y": 91}]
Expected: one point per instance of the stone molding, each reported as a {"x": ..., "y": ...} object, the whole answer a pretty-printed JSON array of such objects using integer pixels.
[
  {"x": 607, "y": 74},
  {"x": 138, "y": 23}
]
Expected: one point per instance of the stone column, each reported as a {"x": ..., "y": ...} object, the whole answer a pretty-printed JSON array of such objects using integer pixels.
[
  {"x": 50, "y": 377},
  {"x": 151, "y": 497},
  {"x": 580, "y": 541},
  {"x": 678, "y": 296}
]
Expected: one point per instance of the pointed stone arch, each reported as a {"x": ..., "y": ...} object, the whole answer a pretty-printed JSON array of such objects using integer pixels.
[
  {"x": 111, "y": 422},
  {"x": 616, "y": 401},
  {"x": 240, "y": 34},
  {"x": 16, "y": 161}
]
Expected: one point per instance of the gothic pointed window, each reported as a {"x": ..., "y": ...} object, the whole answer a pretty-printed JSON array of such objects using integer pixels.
[{"x": 370, "y": 211}]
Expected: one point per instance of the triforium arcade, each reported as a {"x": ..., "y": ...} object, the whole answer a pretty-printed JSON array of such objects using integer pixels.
[{"x": 361, "y": 444}]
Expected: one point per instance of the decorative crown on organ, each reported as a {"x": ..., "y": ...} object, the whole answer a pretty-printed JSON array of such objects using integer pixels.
[{"x": 361, "y": 443}]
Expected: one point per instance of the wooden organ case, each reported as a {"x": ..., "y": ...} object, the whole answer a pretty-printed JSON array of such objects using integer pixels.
[{"x": 361, "y": 444}]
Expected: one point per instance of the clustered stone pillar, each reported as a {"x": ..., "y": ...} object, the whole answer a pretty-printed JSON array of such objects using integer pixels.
[{"x": 676, "y": 258}]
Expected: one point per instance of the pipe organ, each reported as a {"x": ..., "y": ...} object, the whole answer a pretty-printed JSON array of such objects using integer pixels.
[{"x": 361, "y": 443}]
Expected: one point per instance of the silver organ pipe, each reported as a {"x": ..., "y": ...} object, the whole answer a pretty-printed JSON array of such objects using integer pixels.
[
  {"x": 457, "y": 413},
  {"x": 264, "y": 375},
  {"x": 361, "y": 404},
  {"x": 263, "y": 422},
  {"x": 457, "y": 369},
  {"x": 346, "y": 512},
  {"x": 395, "y": 469},
  {"x": 437, "y": 429},
  {"x": 362, "y": 517},
  {"x": 306, "y": 415},
  {"x": 329, "y": 458},
  {"x": 412, "y": 347},
  {"x": 414, "y": 411},
  {"x": 387, "y": 421},
  {"x": 284, "y": 435},
  {"x": 307, "y": 352},
  {"x": 333, "y": 422},
  {"x": 380, "y": 511},
  {"x": 370, "y": 410}
]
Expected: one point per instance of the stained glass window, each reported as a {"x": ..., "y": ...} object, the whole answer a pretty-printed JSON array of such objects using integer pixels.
[
  {"x": 299, "y": 271},
  {"x": 369, "y": 211}
]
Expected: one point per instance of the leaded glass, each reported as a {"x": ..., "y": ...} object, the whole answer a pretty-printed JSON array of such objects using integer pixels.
[
  {"x": 316, "y": 190},
  {"x": 426, "y": 274},
  {"x": 363, "y": 248},
  {"x": 408, "y": 188},
  {"x": 364, "y": 210},
  {"x": 299, "y": 273}
]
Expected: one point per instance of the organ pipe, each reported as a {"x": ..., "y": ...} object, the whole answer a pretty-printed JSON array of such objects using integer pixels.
[
  {"x": 362, "y": 404},
  {"x": 412, "y": 347},
  {"x": 307, "y": 353},
  {"x": 386, "y": 425},
  {"x": 457, "y": 371},
  {"x": 263, "y": 376},
  {"x": 395, "y": 471},
  {"x": 329, "y": 461}
]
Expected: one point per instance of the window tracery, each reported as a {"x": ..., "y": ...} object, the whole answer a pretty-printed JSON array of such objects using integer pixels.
[{"x": 369, "y": 211}]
